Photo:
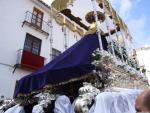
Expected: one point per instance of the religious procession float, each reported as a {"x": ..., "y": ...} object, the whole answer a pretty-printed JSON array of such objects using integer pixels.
[{"x": 95, "y": 75}]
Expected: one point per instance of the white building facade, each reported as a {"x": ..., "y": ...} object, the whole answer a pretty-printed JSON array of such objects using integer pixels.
[
  {"x": 143, "y": 56},
  {"x": 32, "y": 34},
  {"x": 30, "y": 38}
]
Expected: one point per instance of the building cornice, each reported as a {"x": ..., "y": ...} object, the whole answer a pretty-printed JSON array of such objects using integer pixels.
[
  {"x": 46, "y": 5},
  {"x": 43, "y": 5}
]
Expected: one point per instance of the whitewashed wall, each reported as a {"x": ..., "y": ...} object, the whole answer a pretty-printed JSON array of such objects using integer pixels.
[
  {"x": 143, "y": 56},
  {"x": 12, "y": 37}
]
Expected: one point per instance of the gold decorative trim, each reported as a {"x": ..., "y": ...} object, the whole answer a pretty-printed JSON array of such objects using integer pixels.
[
  {"x": 49, "y": 87},
  {"x": 60, "y": 19},
  {"x": 63, "y": 20},
  {"x": 70, "y": 25}
]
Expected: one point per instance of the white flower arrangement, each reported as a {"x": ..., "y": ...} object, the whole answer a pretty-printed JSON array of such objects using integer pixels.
[
  {"x": 132, "y": 71},
  {"x": 97, "y": 56},
  {"x": 101, "y": 56}
]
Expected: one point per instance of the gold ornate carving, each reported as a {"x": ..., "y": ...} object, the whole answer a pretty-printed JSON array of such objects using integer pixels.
[
  {"x": 60, "y": 19},
  {"x": 70, "y": 25}
]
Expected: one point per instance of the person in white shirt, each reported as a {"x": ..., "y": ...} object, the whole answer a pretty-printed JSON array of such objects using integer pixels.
[
  {"x": 15, "y": 109},
  {"x": 63, "y": 105}
]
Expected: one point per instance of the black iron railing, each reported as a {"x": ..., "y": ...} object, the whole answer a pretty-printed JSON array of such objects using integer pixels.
[{"x": 36, "y": 22}]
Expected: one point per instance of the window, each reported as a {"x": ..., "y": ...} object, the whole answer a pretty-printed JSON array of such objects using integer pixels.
[
  {"x": 55, "y": 53},
  {"x": 37, "y": 17},
  {"x": 32, "y": 44}
]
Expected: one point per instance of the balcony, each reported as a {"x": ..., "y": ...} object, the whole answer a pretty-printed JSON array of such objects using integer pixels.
[
  {"x": 36, "y": 23},
  {"x": 29, "y": 60}
]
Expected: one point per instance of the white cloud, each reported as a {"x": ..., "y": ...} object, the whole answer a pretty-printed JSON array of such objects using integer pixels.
[
  {"x": 136, "y": 25},
  {"x": 146, "y": 41},
  {"x": 125, "y": 8}
]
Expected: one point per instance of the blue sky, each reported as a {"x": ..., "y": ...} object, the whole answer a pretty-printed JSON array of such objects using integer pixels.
[{"x": 137, "y": 16}]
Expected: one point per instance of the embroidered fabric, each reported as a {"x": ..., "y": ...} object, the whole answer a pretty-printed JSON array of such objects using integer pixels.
[
  {"x": 1, "y": 111},
  {"x": 63, "y": 105},
  {"x": 6, "y": 104},
  {"x": 92, "y": 109},
  {"x": 37, "y": 109},
  {"x": 16, "y": 109},
  {"x": 44, "y": 100}
]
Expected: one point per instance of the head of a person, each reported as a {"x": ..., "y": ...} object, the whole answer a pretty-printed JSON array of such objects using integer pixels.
[{"x": 142, "y": 103}]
